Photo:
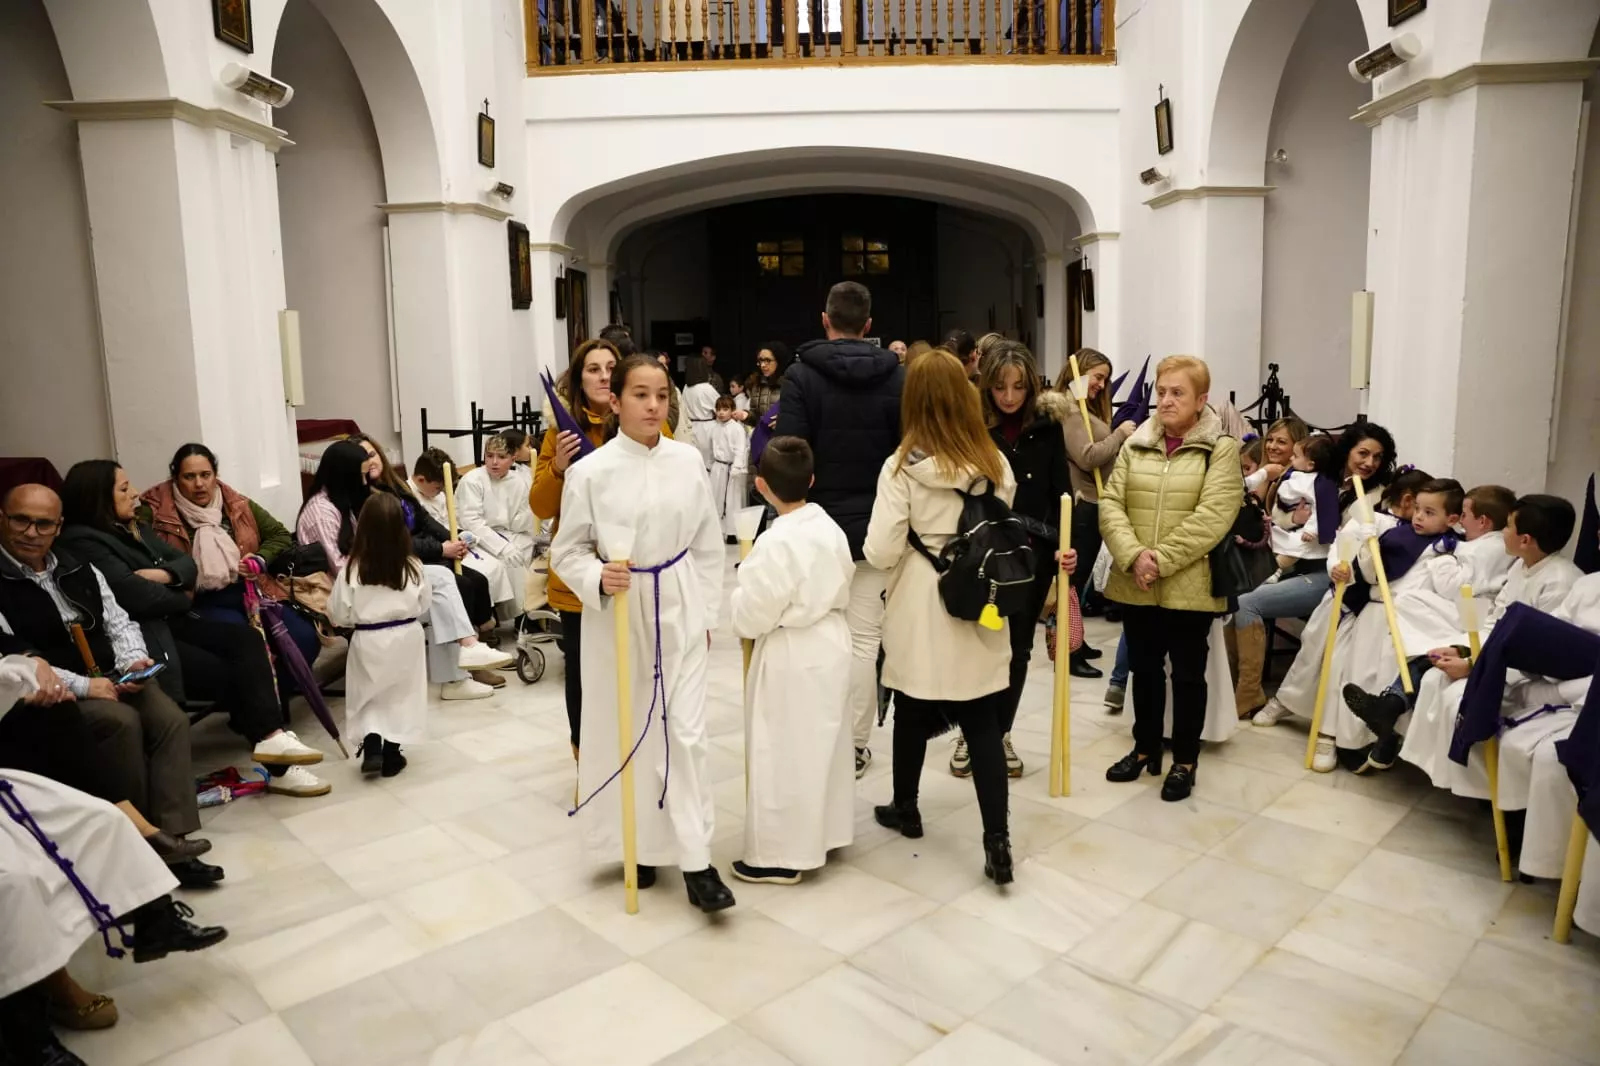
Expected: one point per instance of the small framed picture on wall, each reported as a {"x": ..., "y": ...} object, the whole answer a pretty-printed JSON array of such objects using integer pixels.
[
  {"x": 1400, "y": 10},
  {"x": 1164, "y": 126},
  {"x": 521, "y": 266},
  {"x": 485, "y": 138},
  {"x": 230, "y": 21}
]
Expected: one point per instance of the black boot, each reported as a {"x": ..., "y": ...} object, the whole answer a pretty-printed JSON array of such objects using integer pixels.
[
  {"x": 393, "y": 761},
  {"x": 905, "y": 818},
  {"x": 706, "y": 890},
  {"x": 371, "y": 755},
  {"x": 162, "y": 926},
  {"x": 646, "y": 875},
  {"x": 1079, "y": 666},
  {"x": 997, "y": 858},
  {"x": 1380, "y": 712},
  {"x": 1089, "y": 653},
  {"x": 1131, "y": 765},
  {"x": 192, "y": 873}
]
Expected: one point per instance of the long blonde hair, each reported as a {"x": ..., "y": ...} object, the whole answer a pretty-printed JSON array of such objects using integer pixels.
[
  {"x": 940, "y": 417},
  {"x": 1088, "y": 359}
]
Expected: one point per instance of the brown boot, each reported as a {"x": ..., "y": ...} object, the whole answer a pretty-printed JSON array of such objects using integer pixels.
[{"x": 1252, "y": 644}]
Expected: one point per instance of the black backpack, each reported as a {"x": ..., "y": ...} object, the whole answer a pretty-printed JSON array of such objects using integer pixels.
[{"x": 989, "y": 562}]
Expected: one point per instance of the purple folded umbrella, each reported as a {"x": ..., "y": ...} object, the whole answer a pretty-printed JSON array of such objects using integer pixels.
[
  {"x": 267, "y": 617},
  {"x": 563, "y": 417}
]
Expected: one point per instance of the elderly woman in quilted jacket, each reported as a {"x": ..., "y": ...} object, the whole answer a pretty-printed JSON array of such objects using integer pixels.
[{"x": 1172, "y": 497}]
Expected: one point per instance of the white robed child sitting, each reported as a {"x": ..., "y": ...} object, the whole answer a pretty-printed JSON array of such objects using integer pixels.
[
  {"x": 382, "y": 596},
  {"x": 793, "y": 591},
  {"x": 637, "y": 521}
]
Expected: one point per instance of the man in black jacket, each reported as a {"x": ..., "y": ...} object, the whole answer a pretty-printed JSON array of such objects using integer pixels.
[{"x": 842, "y": 396}]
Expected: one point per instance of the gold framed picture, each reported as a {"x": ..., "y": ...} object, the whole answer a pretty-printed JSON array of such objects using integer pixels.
[
  {"x": 485, "y": 139},
  {"x": 1164, "y": 126},
  {"x": 1400, "y": 10},
  {"x": 230, "y": 21}
]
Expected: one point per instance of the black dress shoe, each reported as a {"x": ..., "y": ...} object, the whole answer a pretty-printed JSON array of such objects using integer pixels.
[
  {"x": 1131, "y": 765},
  {"x": 174, "y": 850},
  {"x": 1090, "y": 653},
  {"x": 162, "y": 926},
  {"x": 1079, "y": 667},
  {"x": 706, "y": 890},
  {"x": 1179, "y": 783},
  {"x": 646, "y": 874},
  {"x": 371, "y": 755},
  {"x": 907, "y": 819},
  {"x": 192, "y": 873},
  {"x": 997, "y": 858}
]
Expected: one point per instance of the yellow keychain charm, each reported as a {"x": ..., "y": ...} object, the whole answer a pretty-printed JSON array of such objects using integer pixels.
[{"x": 990, "y": 618}]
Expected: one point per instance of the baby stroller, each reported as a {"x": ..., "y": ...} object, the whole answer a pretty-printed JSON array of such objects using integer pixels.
[{"x": 537, "y": 624}]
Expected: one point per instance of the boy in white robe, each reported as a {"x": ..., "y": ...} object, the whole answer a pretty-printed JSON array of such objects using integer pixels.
[
  {"x": 492, "y": 504},
  {"x": 730, "y": 464},
  {"x": 427, "y": 485},
  {"x": 637, "y": 520},
  {"x": 791, "y": 600},
  {"x": 1539, "y": 526}
]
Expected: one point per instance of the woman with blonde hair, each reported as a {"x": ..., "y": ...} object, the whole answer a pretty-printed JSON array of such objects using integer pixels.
[
  {"x": 1173, "y": 496},
  {"x": 1090, "y": 448},
  {"x": 946, "y": 672}
]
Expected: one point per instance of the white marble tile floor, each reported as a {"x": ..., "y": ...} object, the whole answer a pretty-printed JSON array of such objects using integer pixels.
[{"x": 448, "y": 917}]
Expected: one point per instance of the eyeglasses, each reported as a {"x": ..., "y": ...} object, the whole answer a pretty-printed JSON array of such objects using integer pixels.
[
  {"x": 21, "y": 523},
  {"x": 766, "y": 360}
]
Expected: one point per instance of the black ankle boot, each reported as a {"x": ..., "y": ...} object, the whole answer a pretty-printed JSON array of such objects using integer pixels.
[
  {"x": 393, "y": 761},
  {"x": 1131, "y": 765},
  {"x": 1379, "y": 712},
  {"x": 1079, "y": 666},
  {"x": 706, "y": 890},
  {"x": 162, "y": 926},
  {"x": 906, "y": 818},
  {"x": 997, "y": 858},
  {"x": 371, "y": 754},
  {"x": 646, "y": 874}
]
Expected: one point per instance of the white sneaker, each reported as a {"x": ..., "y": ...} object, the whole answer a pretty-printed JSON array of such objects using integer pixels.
[
  {"x": 465, "y": 689},
  {"x": 1270, "y": 715},
  {"x": 299, "y": 781},
  {"x": 285, "y": 749},
  {"x": 1326, "y": 759},
  {"x": 482, "y": 657}
]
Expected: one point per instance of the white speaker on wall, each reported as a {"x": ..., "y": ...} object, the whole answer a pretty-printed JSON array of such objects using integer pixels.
[
  {"x": 1361, "y": 339},
  {"x": 294, "y": 380}
]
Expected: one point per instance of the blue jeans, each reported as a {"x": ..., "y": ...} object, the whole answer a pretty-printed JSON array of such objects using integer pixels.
[
  {"x": 1290, "y": 597},
  {"x": 1119, "y": 672}
]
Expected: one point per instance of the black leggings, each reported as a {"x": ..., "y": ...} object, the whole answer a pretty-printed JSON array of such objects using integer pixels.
[
  {"x": 1024, "y": 631},
  {"x": 1086, "y": 542},
  {"x": 227, "y": 664},
  {"x": 916, "y": 720},
  {"x": 572, "y": 651}
]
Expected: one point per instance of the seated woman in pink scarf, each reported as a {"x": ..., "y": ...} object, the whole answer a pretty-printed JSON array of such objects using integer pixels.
[{"x": 198, "y": 514}]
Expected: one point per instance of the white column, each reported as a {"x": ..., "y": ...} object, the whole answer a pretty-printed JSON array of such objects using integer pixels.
[
  {"x": 189, "y": 280},
  {"x": 426, "y": 366},
  {"x": 1471, "y": 207},
  {"x": 1053, "y": 329},
  {"x": 1232, "y": 229}
]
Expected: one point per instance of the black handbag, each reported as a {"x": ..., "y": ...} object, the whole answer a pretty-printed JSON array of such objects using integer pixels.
[
  {"x": 1235, "y": 560},
  {"x": 300, "y": 559}
]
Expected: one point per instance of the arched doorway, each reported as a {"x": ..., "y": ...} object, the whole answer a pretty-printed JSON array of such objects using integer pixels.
[{"x": 54, "y": 402}]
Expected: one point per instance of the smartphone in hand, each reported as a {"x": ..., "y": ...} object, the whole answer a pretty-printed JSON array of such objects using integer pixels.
[{"x": 134, "y": 677}]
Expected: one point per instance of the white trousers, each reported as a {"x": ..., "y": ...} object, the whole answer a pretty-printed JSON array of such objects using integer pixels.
[
  {"x": 445, "y": 623},
  {"x": 864, "y": 615}
]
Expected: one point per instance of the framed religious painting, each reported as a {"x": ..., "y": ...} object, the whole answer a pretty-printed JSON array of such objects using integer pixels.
[
  {"x": 1164, "y": 126},
  {"x": 577, "y": 308},
  {"x": 1400, "y": 10},
  {"x": 485, "y": 138},
  {"x": 230, "y": 21},
  {"x": 521, "y": 266}
]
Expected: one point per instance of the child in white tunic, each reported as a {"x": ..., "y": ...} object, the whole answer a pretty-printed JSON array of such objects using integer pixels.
[
  {"x": 427, "y": 485},
  {"x": 492, "y": 503},
  {"x": 382, "y": 595},
  {"x": 700, "y": 410},
  {"x": 637, "y": 520},
  {"x": 730, "y": 464},
  {"x": 791, "y": 600}
]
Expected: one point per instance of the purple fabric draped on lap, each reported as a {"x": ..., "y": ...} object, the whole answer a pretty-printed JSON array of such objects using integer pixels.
[
  {"x": 564, "y": 420},
  {"x": 1325, "y": 493},
  {"x": 1580, "y": 754},
  {"x": 1525, "y": 639}
]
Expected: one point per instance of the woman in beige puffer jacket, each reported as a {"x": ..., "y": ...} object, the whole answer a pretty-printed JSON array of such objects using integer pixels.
[{"x": 1173, "y": 495}]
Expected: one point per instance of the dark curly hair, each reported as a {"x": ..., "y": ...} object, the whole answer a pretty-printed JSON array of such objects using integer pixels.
[{"x": 1353, "y": 435}]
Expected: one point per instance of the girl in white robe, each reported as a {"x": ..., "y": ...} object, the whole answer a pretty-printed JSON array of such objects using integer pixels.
[
  {"x": 730, "y": 465},
  {"x": 637, "y": 520},
  {"x": 382, "y": 595},
  {"x": 793, "y": 591}
]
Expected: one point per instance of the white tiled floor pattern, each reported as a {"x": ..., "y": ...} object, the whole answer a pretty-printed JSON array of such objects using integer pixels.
[{"x": 447, "y": 917}]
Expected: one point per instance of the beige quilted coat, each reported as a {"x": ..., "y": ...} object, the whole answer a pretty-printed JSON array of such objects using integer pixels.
[{"x": 1180, "y": 507}]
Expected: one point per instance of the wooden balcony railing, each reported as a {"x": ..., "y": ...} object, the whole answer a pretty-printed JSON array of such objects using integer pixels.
[{"x": 572, "y": 36}]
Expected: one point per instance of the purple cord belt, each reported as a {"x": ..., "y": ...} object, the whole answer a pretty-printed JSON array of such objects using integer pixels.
[
  {"x": 658, "y": 690},
  {"x": 104, "y": 920}
]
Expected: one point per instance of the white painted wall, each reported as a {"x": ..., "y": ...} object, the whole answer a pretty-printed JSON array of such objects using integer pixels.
[
  {"x": 54, "y": 400},
  {"x": 1577, "y": 404},
  {"x": 329, "y": 185},
  {"x": 1316, "y": 216}
]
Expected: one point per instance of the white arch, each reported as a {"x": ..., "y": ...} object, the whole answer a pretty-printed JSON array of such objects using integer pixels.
[
  {"x": 1538, "y": 30},
  {"x": 1038, "y": 204},
  {"x": 112, "y": 52},
  {"x": 412, "y": 172}
]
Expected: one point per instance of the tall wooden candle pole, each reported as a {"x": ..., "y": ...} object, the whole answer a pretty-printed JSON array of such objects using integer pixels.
[
  {"x": 1571, "y": 875},
  {"x": 450, "y": 505},
  {"x": 630, "y": 837},
  {"x": 1061, "y": 705},
  {"x": 1327, "y": 666}
]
